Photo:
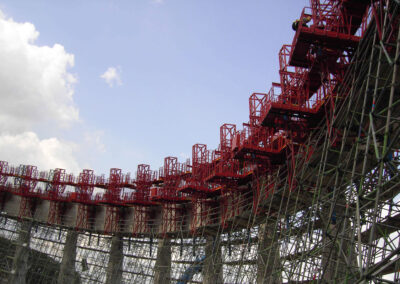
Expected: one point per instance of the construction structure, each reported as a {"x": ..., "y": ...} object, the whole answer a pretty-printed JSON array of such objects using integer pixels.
[{"x": 305, "y": 192}]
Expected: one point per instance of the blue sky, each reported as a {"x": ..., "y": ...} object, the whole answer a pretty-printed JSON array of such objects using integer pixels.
[{"x": 186, "y": 67}]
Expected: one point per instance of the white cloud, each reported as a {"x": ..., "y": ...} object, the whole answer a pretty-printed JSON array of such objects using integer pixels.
[
  {"x": 36, "y": 90},
  {"x": 26, "y": 148},
  {"x": 34, "y": 83},
  {"x": 112, "y": 76}
]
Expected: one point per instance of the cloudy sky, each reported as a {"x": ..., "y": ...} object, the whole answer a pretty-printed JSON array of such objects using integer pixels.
[{"x": 101, "y": 84}]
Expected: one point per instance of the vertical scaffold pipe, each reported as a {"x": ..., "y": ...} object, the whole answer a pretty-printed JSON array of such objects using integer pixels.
[
  {"x": 338, "y": 258},
  {"x": 268, "y": 262}
]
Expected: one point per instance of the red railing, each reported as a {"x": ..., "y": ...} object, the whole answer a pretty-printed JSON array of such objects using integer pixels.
[
  {"x": 257, "y": 102},
  {"x": 260, "y": 139}
]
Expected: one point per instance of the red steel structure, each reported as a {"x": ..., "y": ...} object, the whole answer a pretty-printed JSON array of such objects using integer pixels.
[
  {"x": 141, "y": 199},
  {"x": 279, "y": 123},
  {"x": 113, "y": 201},
  {"x": 25, "y": 179},
  {"x": 83, "y": 195},
  {"x": 171, "y": 175},
  {"x": 55, "y": 193}
]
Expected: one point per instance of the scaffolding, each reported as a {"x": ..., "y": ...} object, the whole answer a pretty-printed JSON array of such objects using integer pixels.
[{"x": 307, "y": 192}]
